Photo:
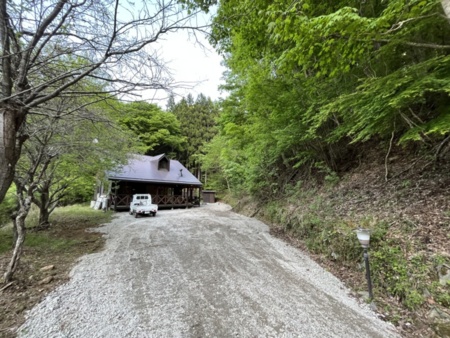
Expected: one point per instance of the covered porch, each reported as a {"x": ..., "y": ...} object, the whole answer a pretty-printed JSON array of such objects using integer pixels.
[{"x": 164, "y": 195}]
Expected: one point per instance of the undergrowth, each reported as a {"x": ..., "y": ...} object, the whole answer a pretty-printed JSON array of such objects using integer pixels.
[
  {"x": 396, "y": 270},
  {"x": 404, "y": 271}
]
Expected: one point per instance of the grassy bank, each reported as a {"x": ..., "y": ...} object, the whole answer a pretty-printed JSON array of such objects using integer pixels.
[
  {"x": 55, "y": 249},
  {"x": 410, "y": 241}
]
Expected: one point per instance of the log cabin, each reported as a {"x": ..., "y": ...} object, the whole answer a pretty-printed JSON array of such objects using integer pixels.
[{"x": 168, "y": 181}]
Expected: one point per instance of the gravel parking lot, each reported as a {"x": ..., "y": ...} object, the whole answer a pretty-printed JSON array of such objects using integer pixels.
[{"x": 203, "y": 272}]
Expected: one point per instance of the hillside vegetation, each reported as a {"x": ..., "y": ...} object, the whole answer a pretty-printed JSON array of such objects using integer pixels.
[
  {"x": 338, "y": 117},
  {"x": 409, "y": 219}
]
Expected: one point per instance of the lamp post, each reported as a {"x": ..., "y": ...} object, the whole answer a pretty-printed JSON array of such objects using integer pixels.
[{"x": 364, "y": 239}]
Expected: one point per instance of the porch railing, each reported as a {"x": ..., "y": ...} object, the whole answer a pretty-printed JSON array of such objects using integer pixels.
[
  {"x": 169, "y": 200},
  {"x": 122, "y": 200}
]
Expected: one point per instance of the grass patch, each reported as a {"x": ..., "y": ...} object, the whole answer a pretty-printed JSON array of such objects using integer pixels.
[
  {"x": 6, "y": 239},
  {"x": 60, "y": 245},
  {"x": 79, "y": 213},
  {"x": 48, "y": 242}
]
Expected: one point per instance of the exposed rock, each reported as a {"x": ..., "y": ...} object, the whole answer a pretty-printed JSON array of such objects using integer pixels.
[
  {"x": 444, "y": 274},
  {"x": 426, "y": 293},
  {"x": 47, "y": 268},
  {"x": 440, "y": 322},
  {"x": 364, "y": 295},
  {"x": 335, "y": 256},
  {"x": 46, "y": 280}
]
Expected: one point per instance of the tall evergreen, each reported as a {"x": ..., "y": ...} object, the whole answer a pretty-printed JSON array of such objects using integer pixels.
[{"x": 197, "y": 125}]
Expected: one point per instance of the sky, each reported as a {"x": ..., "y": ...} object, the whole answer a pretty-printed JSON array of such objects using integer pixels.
[{"x": 195, "y": 66}]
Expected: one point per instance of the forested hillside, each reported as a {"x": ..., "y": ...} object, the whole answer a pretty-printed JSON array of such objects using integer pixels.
[
  {"x": 312, "y": 83},
  {"x": 338, "y": 117}
]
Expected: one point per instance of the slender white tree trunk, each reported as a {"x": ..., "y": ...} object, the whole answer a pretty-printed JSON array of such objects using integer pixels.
[{"x": 20, "y": 228}]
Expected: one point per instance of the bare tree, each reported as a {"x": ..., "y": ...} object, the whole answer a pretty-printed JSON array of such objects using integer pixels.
[
  {"x": 25, "y": 186},
  {"x": 60, "y": 149},
  {"x": 85, "y": 143},
  {"x": 47, "y": 47}
]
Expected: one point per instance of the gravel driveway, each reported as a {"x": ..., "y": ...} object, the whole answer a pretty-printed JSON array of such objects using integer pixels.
[{"x": 204, "y": 272}]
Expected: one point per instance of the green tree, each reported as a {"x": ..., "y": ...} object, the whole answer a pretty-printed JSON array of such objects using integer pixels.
[
  {"x": 310, "y": 80},
  {"x": 48, "y": 47},
  {"x": 197, "y": 121},
  {"x": 61, "y": 150},
  {"x": 157, "y": 131}
]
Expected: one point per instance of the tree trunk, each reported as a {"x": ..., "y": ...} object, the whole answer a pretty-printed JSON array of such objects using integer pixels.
[
  {"x": 44, "y": 207},
  {"x": 10, "y": 145},
  {"x": 8, "y": 159},
  {"x": 446, "y": 6},
  {"x": 44, "y": 216},
  {"x": 15, "y": 234},
  {"x": 13, "y": 216},
  {"x": 20, "y": 228}
]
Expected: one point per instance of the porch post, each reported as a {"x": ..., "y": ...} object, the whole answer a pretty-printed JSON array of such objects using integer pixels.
[{"x": 114, "y": 198}]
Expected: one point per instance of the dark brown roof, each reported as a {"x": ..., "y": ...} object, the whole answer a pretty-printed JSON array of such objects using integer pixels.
[{"x": 142, "y": 168}]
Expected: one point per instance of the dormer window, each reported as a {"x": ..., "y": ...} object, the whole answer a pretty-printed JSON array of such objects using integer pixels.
[{"x": 164, "y": 163}]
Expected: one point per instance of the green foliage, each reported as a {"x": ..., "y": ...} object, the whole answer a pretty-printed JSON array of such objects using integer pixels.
[
  {"x": 331, "y": 178},
  {"x": 309, "y": 83},
  {"x": 311, "y": 80},
  {"x": 37, "y": 240},
  {"x": 394, "y": 272},
  {"x": 6, "y": 239},
  {"x": 197, "y": 126},
  {"x": 80, "y": 213},
  {"x": 79, "y": 189},
  {"x": 7, "y": 206},
  {"x": 310, "y": 219},
  {"x": 382, "y": 103},
  {"x": 311, "y": 223},
  {"x": 191, "y": 5},
  {"x": 157, "y": 131},
  {"x": 441, "y": 293},
  {"x": 442, "y": 296},
  {"x": 68, "y": 150},
  {"x": 223, "y": 166}
]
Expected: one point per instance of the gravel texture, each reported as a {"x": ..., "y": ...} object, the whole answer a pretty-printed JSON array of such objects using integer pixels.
[{"x": 203, "y": 272}]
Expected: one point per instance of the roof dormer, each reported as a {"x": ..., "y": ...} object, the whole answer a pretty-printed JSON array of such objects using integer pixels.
[{"x": 164, "y": 163}]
